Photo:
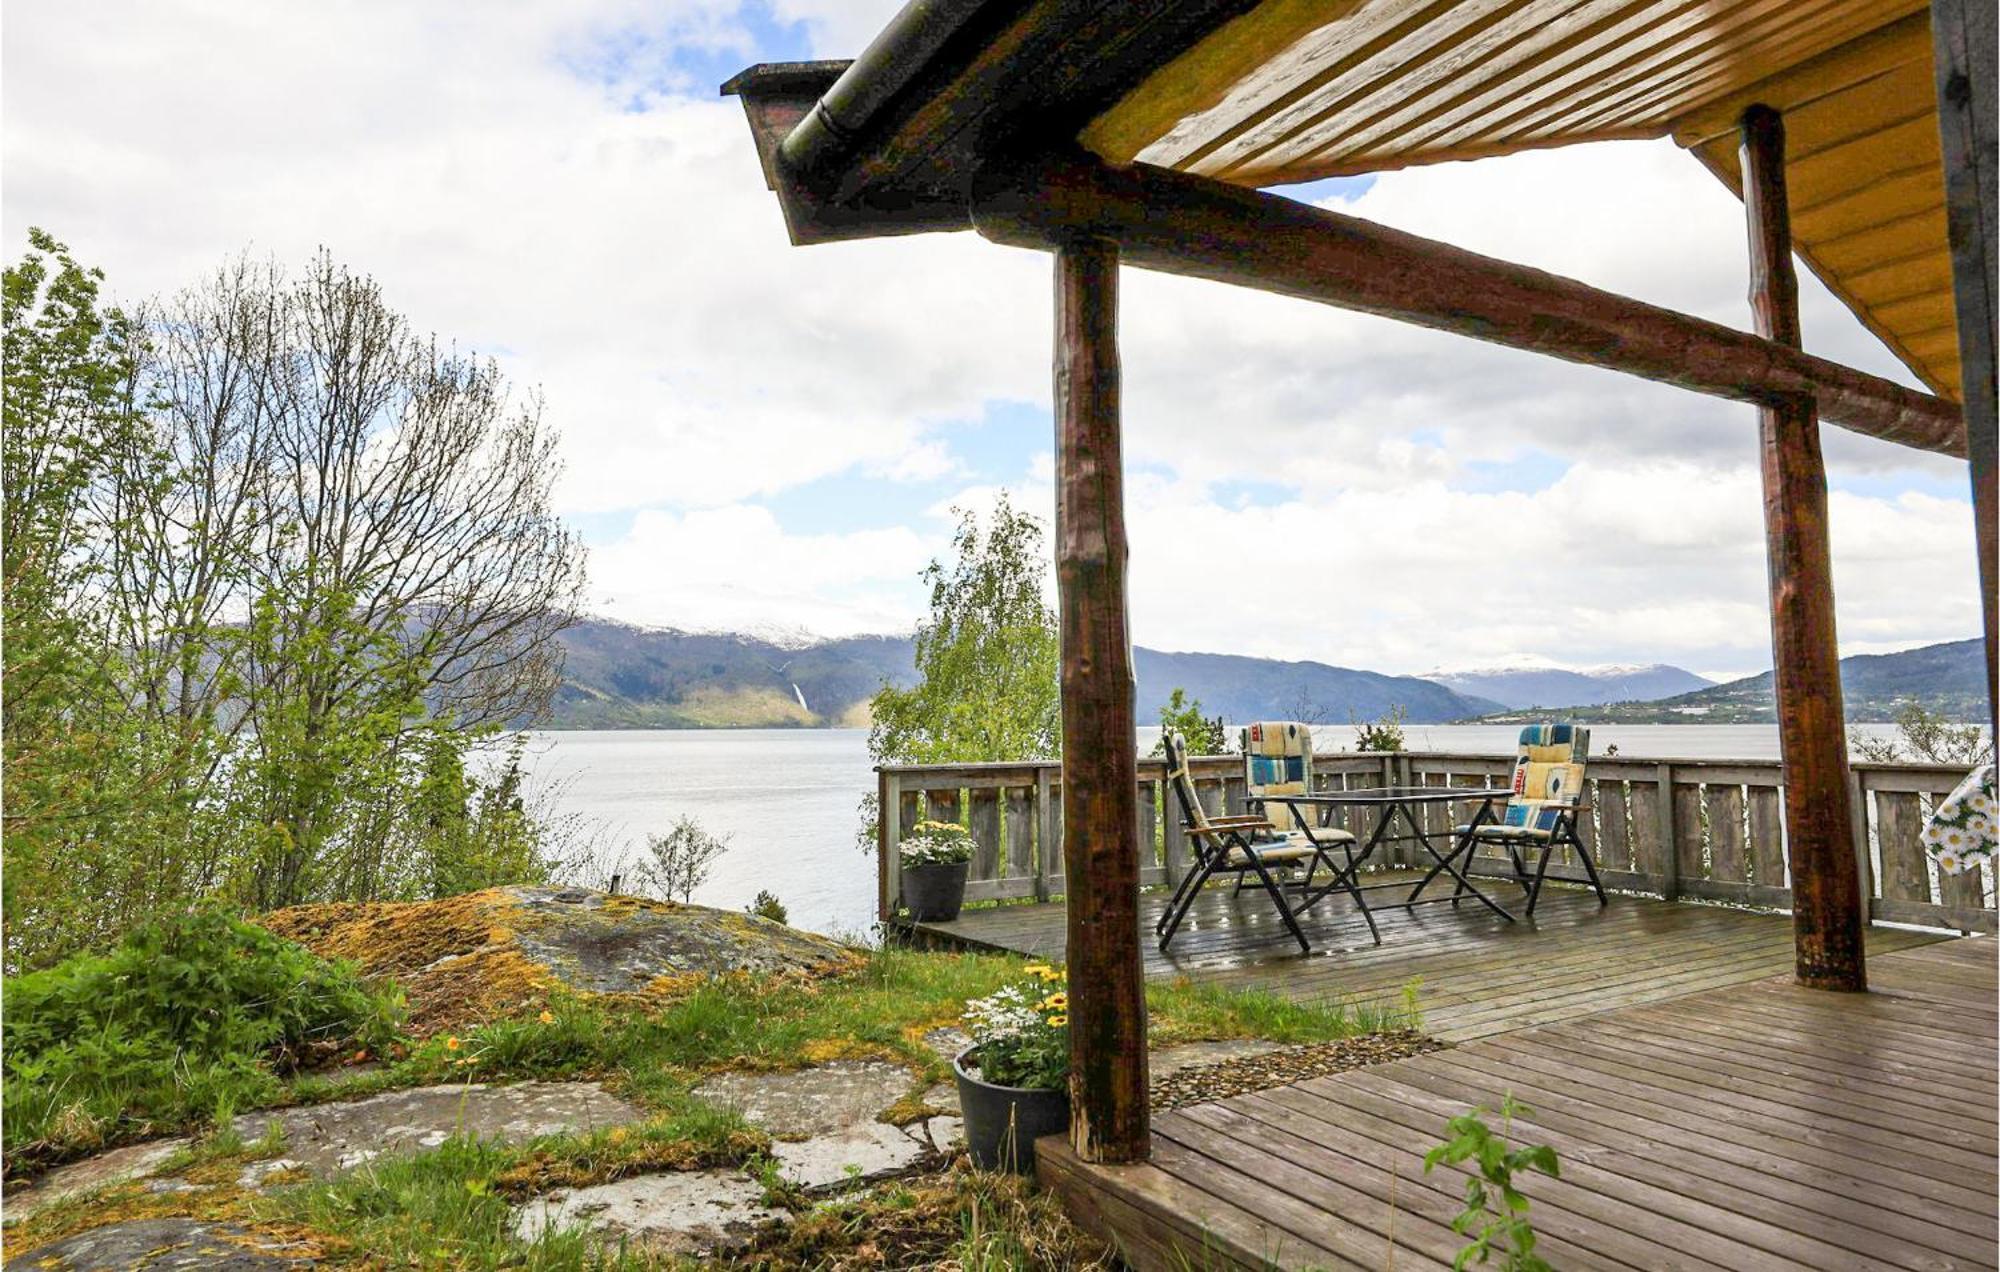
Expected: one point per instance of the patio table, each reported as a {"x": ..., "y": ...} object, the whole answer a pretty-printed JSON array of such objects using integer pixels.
[{"x": 1394, "y": 802}]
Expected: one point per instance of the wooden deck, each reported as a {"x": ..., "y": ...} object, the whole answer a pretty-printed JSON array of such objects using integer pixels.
[
  {"x": 1708, "y": 1113},
  {"x": 1478, "y": 973},
  {"x": 1755, "y": 1126}
]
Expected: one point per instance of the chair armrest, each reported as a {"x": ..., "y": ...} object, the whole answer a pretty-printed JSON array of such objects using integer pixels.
[{"x": 1234, "y": 826}]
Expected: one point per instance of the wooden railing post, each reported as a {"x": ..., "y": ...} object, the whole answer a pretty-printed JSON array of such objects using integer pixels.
[
  {"x": 1827, "y": 908},
  {"x": 1109, "y": 1119},
  {"x": 1045, "y": 832},
  {"x": 1663, "y": 821},
  {"x": 888, "y": 833}
]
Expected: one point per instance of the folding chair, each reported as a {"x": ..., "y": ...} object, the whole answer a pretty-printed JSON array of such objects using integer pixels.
[
  {"x": 1230, "y": 845},
  {"x": 1548, "y": 796}
]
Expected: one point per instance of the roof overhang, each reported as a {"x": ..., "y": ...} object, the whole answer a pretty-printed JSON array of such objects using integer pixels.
[{"x": 1253, "y": 92}]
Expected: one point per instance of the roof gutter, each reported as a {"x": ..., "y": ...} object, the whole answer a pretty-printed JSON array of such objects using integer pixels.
[{"x": 893, "y": 60}]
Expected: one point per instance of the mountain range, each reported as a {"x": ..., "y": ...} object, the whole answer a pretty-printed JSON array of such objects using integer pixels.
[
  {"x": 618, "y": 676},
  {"x": 1948, "y": 678},
  {"x": 1558, "y": 686}
]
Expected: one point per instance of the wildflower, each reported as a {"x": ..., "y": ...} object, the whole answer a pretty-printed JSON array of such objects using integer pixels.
[
  {"x": 1057, "y": 1022},
  {"x": 1055, "y": 1002},
  {"x": 547, "y": 1018},
  {"x": 451, "y": 1043},
  {"x": 1038, "y": 969}
]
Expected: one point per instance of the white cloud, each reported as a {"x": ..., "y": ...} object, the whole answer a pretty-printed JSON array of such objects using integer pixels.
[
  {"x": 609, "y": 236},
  {"x": 734, "y": 567}
]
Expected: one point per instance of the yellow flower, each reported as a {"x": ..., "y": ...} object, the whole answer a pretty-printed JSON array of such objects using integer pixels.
[
  {"x": 451, "y": 1044},
  {"x": 1058, "y": 1022},
  {"x": 1038, "y": 969},
  {"x": 547, "y": 1018},
  {"x": 1056, "y": 1002}
]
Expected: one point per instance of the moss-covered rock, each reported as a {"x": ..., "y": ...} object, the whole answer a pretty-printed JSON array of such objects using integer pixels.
[{"x": 486, "y": 954}]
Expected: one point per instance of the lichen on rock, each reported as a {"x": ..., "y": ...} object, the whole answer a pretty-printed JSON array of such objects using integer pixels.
[{"x": 502, "y": 951}]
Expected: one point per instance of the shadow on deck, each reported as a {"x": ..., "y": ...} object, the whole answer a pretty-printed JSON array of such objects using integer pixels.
[{"x": 1707, "y": 1111}]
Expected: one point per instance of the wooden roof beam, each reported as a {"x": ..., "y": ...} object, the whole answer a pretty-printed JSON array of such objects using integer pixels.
[{"x": 1183, "y": 224}]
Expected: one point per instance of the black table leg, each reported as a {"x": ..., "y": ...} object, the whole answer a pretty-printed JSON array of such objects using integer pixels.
[{"x": 1444, "y": 865}]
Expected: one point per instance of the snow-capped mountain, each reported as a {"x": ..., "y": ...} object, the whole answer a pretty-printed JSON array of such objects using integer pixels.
[{"x": 1538, "y": 683}]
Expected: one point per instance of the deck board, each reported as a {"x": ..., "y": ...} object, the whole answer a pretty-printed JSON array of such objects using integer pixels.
[
  {"x": 1478, "y": 974},
  {"x": 1750, "y": 1124}
]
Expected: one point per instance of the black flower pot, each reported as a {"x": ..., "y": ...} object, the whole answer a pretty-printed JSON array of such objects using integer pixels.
[
  {"x": 1002, "y": 1123},
  {"x": 935, "y": 894}
]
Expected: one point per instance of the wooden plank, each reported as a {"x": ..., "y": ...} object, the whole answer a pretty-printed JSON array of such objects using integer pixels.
[
  {"x": 1149, "y": 825},
  {"x": 1047, "y": 835},
  {"x": 1019, "y": 819},
  {"x": 1203, "y": 228},
  {"x": 1899, "y": 818},
  {"x": 1652, "y": 827},
  {"x": 943, "y": 804},
  {"x": 1966, "y": 64},
  {"x": 888, "y": 833},
  {"x": 983, "y": 817},
  {"x": 1109, "y": 1114},
  {"x": 1962, "y": 891},
  {"x": 1690, "y": 846},
  {"x": 1728, "y": 862},
  {"x": 1767, "y": 837},
  {"x": 1614, "y": 833},
  {"x": 1828, "y": 910}
]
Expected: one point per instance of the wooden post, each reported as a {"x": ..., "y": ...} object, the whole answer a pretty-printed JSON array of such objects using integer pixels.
[
  {"x": 1107, "y": 991},
  {"x": 1963, "y": 47},
  {"x": 1185, "y": 223},
  {"x": 1827, "y": 915}
]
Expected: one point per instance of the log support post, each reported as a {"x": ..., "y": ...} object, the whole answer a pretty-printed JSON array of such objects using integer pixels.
[
  {"x": 1963, "y": 46},
  {"x": 1827, "y": 914},
  {"x": 1107, "y": 992}
]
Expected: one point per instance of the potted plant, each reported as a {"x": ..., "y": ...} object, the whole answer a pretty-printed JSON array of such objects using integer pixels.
[
  {"x": 935, "y": 857},
  {"x": 1013, "y": 1081}
]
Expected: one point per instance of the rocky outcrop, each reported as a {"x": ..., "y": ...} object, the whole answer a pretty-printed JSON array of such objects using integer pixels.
[
  {"x": 486, "y": 954},
  {"x": 166, "y": 1245}
]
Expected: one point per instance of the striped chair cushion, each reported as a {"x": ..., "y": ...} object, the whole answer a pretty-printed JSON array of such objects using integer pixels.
[{"x": 1277, "y": 760}]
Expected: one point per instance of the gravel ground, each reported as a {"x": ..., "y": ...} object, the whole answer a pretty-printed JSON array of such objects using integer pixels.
[{"x": 1202, "y": 1082}]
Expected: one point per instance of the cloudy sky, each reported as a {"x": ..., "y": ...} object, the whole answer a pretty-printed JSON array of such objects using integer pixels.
[{"x": 763, "y": 436}]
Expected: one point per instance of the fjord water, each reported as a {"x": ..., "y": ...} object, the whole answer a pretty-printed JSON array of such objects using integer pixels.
[{"x": 787, "y": 799}]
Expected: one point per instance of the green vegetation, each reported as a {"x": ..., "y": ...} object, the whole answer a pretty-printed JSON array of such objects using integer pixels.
[
  {"x": 1385, "y": 733},
  {"x": 188, "y": 1019},
  {"x": 765, "y": 905},
  {"x": 935, "y": 843},
  {"x": 679, "y": 861},
  {"x": 1927, "y": 737},
  {"x": 451, "y": 1206},
  {"x": 1183, "y": 715},
  {"x": 987, "y": 656},
  {"x": 1020, "y": 1032},
  {"x": 1496, "y": 1212},
  {"x": 277, "y": 570},
  {"x": 987, "y": 660}
]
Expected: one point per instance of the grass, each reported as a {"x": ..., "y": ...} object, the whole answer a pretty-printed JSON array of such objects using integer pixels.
[{"x": 452, "y": 1206}]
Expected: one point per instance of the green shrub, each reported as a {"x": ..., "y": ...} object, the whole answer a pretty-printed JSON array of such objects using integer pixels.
[
  {"x": 188, "y": 1015},
  {"x": 767, "y": 906}
]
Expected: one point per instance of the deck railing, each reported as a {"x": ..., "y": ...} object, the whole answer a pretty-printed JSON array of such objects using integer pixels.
[{"x": 1707, "y": 829}]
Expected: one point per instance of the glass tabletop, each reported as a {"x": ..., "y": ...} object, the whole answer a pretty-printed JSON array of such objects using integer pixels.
[{"x": 1392, "y": 795}]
